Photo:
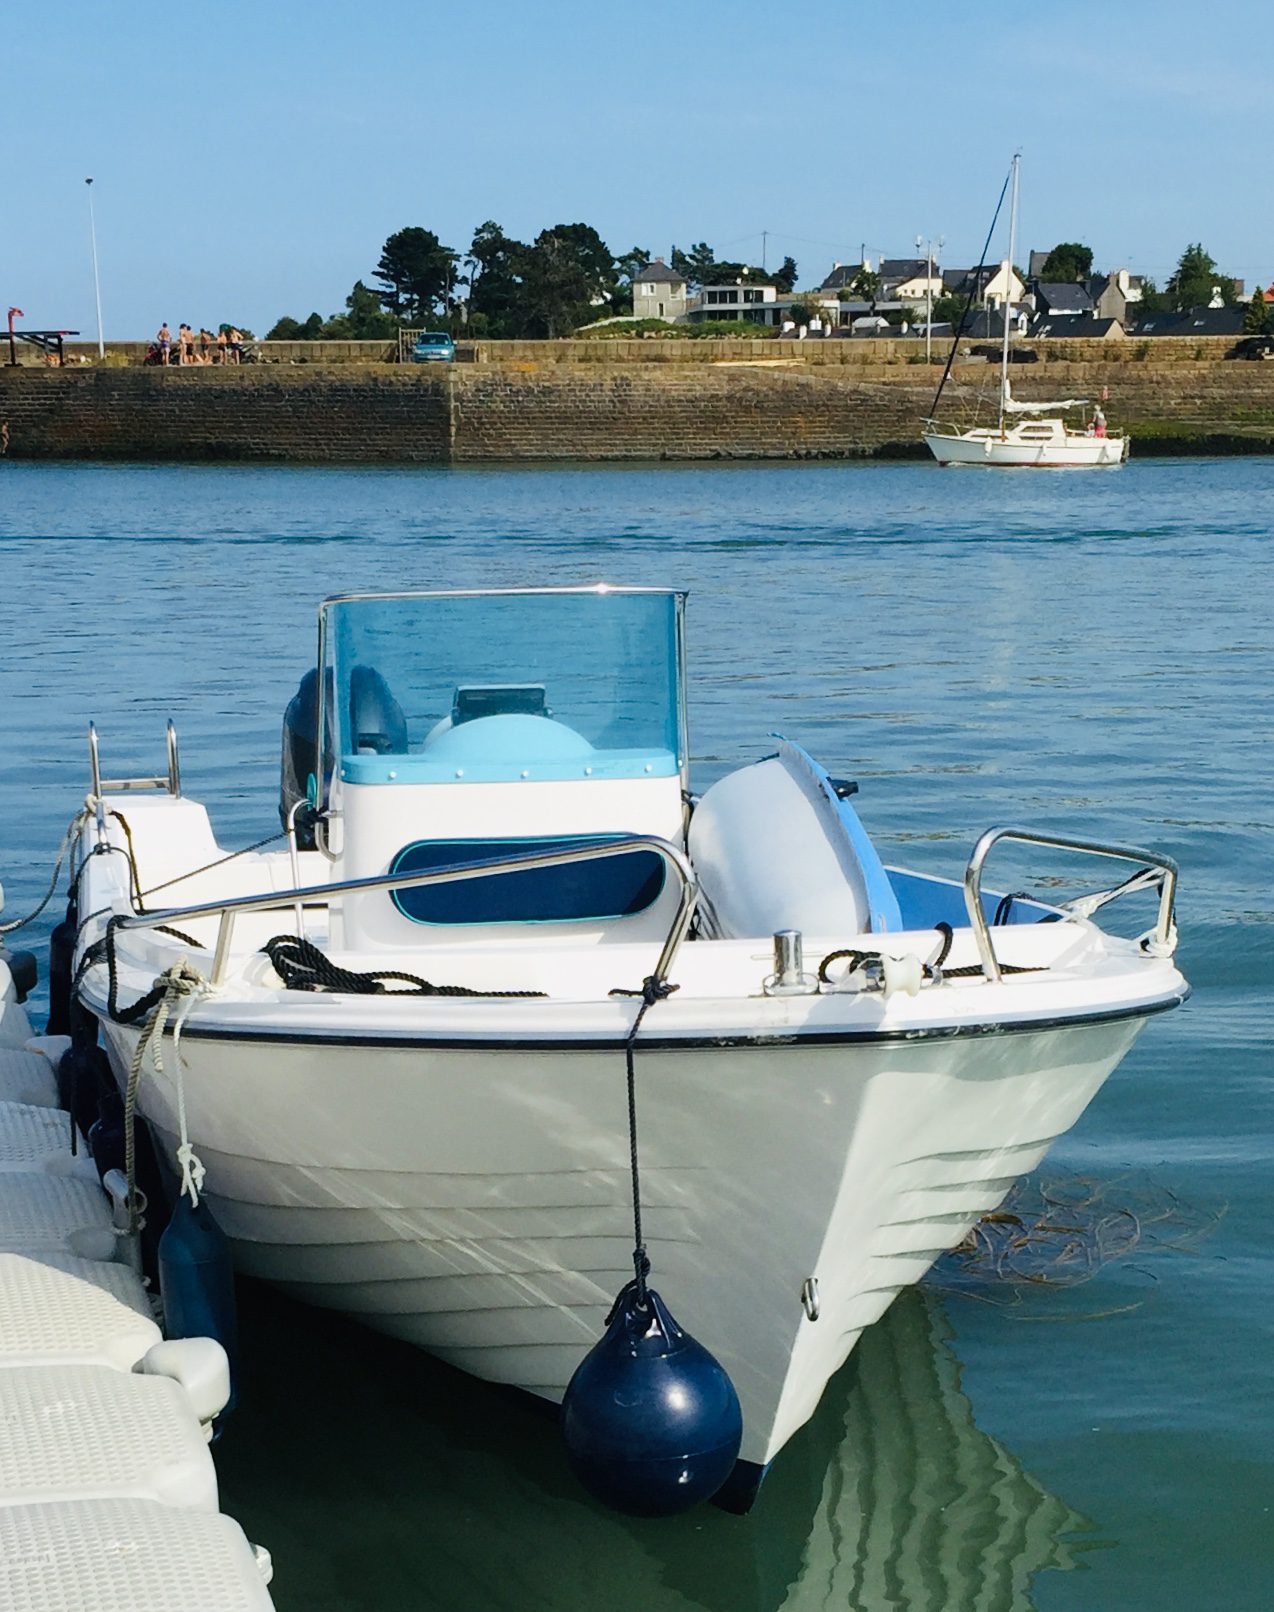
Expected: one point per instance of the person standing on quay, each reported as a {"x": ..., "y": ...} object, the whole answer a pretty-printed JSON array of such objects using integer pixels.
[
  {"x": 221, "y": 345},
  {"x": 165, "y": 340}
]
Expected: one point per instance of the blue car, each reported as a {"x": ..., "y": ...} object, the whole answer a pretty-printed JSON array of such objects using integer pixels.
[{"x": 433, "y": 347}]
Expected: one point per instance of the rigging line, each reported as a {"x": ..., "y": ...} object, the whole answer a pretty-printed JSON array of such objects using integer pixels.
[{"x": 968, "y": 303}]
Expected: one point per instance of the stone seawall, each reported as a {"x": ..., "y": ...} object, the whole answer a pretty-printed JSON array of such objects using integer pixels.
[{"x": 744, "y": 408}]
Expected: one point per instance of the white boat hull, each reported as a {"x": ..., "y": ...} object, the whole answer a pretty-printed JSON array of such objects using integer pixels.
[
  {"x": 1015, "y": 449},
  {"x": 477, "y": 1202}
]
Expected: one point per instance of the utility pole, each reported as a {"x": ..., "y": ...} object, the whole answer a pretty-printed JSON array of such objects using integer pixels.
[
  {"x": 929, "y": 246},
  {"x": 97, "y": 284},
  {"x": 765, "y": 236}
]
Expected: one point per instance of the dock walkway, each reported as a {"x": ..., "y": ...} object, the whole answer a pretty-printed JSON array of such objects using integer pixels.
[{"x": 108, "y": 1494}]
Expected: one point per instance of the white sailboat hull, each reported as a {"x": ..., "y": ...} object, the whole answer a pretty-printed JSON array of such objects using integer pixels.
[
  {"x": 1027, "y": 447},
  {"x": 477, "y": 1202}
]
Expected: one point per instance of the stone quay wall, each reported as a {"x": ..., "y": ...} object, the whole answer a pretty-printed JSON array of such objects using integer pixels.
[{"x": 526, "y": 409}]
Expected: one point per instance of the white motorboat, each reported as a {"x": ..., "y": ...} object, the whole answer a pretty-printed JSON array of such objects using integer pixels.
[
  {"x": 1026, "y": 434},
  {"x": 402, "y": 1055}
]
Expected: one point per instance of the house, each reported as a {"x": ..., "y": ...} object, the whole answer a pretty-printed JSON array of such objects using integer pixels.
[
  {"x": 1058, "y": 298},
  {"x": 1083, "y": 325},
  {"x": 1198, "y": 322},
  {"x": 659, "y": 292},
  {"x": 987, "y": 324},
  {"x": 841, "y": 276},
  {"x": 753, "y": 304},
  {"x": 1115, "y": 295},
  {"x": 1004, "y": 283},
  {"x": 902, "y": 279},
  {"x": 987, "y": 283}
]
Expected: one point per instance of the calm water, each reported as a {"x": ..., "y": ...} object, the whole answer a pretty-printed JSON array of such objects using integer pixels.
[{"x": 1091, "y": 654}]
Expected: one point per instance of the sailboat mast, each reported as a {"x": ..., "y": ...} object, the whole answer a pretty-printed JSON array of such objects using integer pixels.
[{"x": 1006, "y": 306}]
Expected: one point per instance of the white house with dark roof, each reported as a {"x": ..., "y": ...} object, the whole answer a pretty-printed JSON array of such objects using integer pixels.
[{"x": 659, "y": 293}]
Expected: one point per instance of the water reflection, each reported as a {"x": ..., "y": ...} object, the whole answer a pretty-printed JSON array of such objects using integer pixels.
[{"x": 380, "y": 1478}]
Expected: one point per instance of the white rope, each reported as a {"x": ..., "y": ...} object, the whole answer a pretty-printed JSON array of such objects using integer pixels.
[{"x": 184, "y": 987}]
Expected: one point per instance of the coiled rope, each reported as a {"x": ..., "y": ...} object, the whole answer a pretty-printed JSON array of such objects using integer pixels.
[{"x": 303, "y": 967}]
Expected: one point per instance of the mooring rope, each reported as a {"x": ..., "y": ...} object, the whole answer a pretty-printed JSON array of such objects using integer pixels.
[
  {"x": 180, "y": 987},
  {"x": 68, "y": 839},
  {"x": 653, "y": 989}
]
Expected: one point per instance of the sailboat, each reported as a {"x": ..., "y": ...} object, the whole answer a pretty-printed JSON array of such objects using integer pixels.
[{"x": 1026, "y": 434}]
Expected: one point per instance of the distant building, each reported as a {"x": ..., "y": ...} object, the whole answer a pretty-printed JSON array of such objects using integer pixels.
[
  {"x": 1054, "y": 297},
  {"x": 902, "y": 279},
  {"x": 752, "y": 304},
  {"x": 987, "y": 324},
  {"x": 1198, "y": 322},
  {"x": 1086, "y": 326},
  {"x": 659, "y": 292},
  {"x": 1115, "y": 295}
]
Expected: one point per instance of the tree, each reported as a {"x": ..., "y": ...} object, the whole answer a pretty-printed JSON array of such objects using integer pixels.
[
  {"x": 417, "y": 272},
  {"x": 1196, "y": 279},
  {"x": 731, "y": 273},
  {"x": 1257, "y": 319},
  {"x": 285, "y": 329},
  {"x": 556, "y": 286},
  {"x": 591, "y": 255},
  {"x": 1068, "y": 263},
  {"x": 952, "y": 308},
  {"x": 366, "y": 319},
  {"x": 698, "y": 265},
  {"x": 1152, "y": 300},
  {"x": 865, "y": 284},
  {"x": 785, "y": 276},
  {"x": 493, "y": 282}
]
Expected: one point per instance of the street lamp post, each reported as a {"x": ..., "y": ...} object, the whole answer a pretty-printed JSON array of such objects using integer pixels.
[
  {"x": 97, "y": 284},
  {"x": 929, "y": 246}
]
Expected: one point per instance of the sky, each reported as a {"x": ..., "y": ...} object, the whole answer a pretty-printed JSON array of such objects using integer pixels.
[{"x": 249, "y": 159}]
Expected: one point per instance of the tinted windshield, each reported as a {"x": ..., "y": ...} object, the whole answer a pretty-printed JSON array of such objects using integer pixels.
[{"x": 488, "y": 687}]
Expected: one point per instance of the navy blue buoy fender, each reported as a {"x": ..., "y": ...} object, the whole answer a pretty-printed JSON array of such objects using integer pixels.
[
  {"x": 651, "y": 1419},
  {"x": 196, "y": 1280},
  {"x": 61, "y": 954},
  {"x": 106, "y": 1139},
  {"x": 83, "y": 1074}
]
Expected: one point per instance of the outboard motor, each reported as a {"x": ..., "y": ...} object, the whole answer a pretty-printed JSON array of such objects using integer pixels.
[
  {"x": 300, "y": 757},
  {"x": 376, "y": 719},
  {"x": 377, "y": 724}
]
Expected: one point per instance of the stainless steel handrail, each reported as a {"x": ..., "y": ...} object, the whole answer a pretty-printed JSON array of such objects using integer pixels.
[
  {"x": 1167, "y": 882},
  {"x": 275, "y": 900}
]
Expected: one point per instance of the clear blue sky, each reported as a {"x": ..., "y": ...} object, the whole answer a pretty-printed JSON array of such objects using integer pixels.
[{"x": 250, "y": 159}]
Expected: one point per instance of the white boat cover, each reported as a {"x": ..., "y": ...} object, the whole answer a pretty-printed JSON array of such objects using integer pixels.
[{"x": 1012, "y": 406}]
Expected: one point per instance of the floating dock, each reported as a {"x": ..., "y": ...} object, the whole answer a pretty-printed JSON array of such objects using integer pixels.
[{"x": 108, "y": 1494}]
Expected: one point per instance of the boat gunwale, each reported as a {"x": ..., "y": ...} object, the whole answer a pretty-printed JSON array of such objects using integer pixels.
[{"x": 192, "y": 1031}]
